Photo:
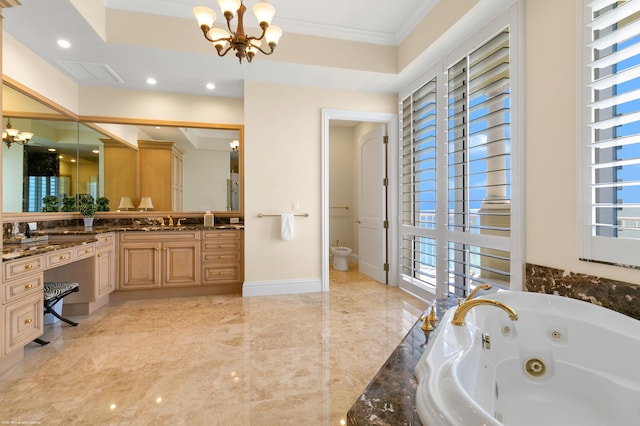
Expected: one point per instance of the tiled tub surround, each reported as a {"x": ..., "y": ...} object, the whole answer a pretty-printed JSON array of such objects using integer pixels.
[
  {"x": 616, "y": 295},
  {"x": 390, "y": 397}
]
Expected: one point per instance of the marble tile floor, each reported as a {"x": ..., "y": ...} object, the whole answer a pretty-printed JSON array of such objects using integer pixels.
[{"x": 213, "y": 360}]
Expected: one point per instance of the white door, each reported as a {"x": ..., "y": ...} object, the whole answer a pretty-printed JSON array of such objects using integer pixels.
[{"x": 372, "y": 241}]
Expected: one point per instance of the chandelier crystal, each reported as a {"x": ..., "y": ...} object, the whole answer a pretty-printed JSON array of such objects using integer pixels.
[
  {"x": 245, "y": 46},
  {"x": 11, "y": 135}
]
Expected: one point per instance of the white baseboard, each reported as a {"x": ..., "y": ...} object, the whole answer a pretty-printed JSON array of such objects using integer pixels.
[{"x": 273, "y": 288}]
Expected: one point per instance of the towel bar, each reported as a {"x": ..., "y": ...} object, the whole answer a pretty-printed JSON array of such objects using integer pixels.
[{"x": 296, "y": 214}]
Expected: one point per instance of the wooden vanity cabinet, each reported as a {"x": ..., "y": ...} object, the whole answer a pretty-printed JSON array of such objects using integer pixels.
[
  {"x": 22, "y": 302},
  {"x": 222, "y": 257},
  {"x": 105, "y": 264},
  {"x": 159, "y": 259}
]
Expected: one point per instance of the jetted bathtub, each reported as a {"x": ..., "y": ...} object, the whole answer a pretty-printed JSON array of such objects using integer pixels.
[{"x": 563, "y": 362}]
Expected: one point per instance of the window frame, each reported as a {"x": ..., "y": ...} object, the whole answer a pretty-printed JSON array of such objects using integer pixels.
[
  {"x": 512, "y": 17},
  {"x": 601, "y": 249}
]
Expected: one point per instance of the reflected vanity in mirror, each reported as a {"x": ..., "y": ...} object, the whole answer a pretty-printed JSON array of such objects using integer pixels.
[{"x": 180, "y": 167}]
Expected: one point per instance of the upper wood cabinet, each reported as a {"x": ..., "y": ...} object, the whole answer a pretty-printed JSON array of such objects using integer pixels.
[{"x": 161, "y": 174}]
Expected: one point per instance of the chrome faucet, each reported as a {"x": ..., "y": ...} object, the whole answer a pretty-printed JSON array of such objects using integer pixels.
[
  {"x": 170, "y": 222},
  {"x": 467, "y": 305},
  {"x": 180, "y": 221},
  {"x": 160, "y": 221}
]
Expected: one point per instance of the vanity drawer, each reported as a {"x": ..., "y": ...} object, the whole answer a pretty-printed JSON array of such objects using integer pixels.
[
  {"x": 104, "y": 239},
  {"x": 226, "y": 256},
  {"x": 221, "y": 273},
  {"x": 85, "y": 250},
  {"x": 158, "y": 236},
  {"x": 23, "y": 322},
  {"x": 222, "y": 235},
  {"x": 24, "y": 286},
  {"x": 59, "y": 257},
  {"x": 222, "y": 241},
  {"x": 18, "y": 268}
]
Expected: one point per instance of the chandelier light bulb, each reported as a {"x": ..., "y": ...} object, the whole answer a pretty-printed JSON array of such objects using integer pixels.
[
  {"x": 219, "y": 36},
  {"x": 264, "y": 12},
  {"x": 273, "y": 34},
  {"x": 229, "y": 6},
  {"x": 204, "y": 16}
]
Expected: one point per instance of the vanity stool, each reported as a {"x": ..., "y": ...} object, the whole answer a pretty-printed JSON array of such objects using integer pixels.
[{"x": 53, "y": 293}]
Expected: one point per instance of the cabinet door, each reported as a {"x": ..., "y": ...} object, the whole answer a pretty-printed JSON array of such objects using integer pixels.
[
  {"x": 181, "y": 263},
  {"x": 105, "y": 271},
  {"x": 23, "y": 322},
  {"x": 139, "y": 266}
]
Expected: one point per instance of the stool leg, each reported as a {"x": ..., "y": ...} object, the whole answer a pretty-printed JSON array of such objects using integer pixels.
[{"x": 48, "y": 309}]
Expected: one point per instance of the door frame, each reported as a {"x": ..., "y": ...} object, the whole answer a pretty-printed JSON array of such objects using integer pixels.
[{"x": 391, "y": 121}]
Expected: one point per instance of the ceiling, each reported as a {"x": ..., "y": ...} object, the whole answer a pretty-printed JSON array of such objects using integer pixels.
[{"x": 119, "y": 43}]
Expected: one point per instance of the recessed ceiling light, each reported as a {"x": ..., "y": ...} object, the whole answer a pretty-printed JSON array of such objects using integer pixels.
[
  {"x": 64, "y": 43},
  {"x": 73, "y": 160},
  {"x": 151, "y": 81},
  {"x": 51, "y": 149},
  {"x": 211, "y": 86},
  {"x": 96, "y": 151}
]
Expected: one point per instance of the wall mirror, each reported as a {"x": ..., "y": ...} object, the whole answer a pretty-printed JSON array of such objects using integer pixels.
[{"x": 179, "y": 166}]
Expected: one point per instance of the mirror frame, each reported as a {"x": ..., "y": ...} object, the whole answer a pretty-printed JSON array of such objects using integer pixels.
[{"x": 94, "y": 122}]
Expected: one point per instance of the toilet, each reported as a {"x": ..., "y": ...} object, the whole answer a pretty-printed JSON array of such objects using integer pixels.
[{"x": 340, "y": 258}]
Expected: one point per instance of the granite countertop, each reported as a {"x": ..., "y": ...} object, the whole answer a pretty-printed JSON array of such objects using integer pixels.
[
  {"x": 61, "y": 238},
  {"x": 16, "y": 251},
  {"x": 390, "y": 398}
]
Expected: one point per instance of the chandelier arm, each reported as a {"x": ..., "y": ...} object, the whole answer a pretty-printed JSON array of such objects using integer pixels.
[
  {"x": 205, "y": 32},
  {"x": 271, "y": 45},
  {"x": 264, "y": 27},
  {"x": 225, "y": 51}
]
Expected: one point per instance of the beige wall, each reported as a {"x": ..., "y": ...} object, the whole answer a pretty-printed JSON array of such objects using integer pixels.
[
  {"x": 551, "y": 133},
  {"x": 283, "y": 165},
  {"x": 343, "y": 160}
]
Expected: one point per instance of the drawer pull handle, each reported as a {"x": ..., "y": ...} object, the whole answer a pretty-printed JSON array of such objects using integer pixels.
[
  {"x": 99, "y": 255},
  {"x": 28, "y": 266},
  {"x": 63, "y": 257},
  {"x": 87, "y": 251},
  {"x": 28, "y": 286},
  {"x": 28, "y": 321}
]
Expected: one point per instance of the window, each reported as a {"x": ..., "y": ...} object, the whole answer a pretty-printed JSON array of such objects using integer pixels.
[
  {"x": 611, "y": 136},
  {"x": 456, "y": 173}
]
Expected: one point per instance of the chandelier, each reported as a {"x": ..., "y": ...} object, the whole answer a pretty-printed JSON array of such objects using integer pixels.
[
  {"x": 11, "y": 135},
  {"x": 245, "y": 46}
]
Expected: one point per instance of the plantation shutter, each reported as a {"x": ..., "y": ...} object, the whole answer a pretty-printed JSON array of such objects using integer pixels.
[
  {"x": 479, "y": 167},
  {"x": 418, "y": 170},
  {"x": 611, "y": 224}
]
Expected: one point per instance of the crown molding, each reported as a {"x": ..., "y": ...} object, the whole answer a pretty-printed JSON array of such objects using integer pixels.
[{"x": 9, "y": 3}]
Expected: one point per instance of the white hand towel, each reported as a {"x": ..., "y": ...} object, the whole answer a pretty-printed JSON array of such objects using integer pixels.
[{"x": 286, "y": 226}]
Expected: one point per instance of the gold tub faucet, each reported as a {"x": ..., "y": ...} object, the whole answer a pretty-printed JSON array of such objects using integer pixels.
[
  {"x": 476, "y": 290},
  {"x": 464, "y": 308}
]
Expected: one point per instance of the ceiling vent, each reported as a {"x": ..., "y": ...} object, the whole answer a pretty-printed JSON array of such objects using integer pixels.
[{"x": 86, "y": 71}]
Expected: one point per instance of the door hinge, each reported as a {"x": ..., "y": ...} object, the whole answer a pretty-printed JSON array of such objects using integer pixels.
[
  {"x": 385, "y": 181},
  {"x": 385, "y": 140},
  {"x": 386, "y": 267},
  {"x": 385, "y": 224}
]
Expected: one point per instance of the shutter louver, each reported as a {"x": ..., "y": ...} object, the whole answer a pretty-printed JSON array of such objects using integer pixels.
[{"x": 612, "y": 189}]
